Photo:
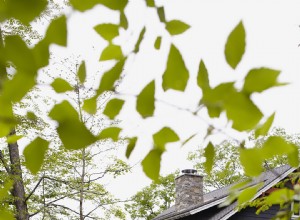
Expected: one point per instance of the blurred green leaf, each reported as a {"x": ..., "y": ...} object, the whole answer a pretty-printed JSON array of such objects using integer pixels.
[
  {"x": 252, "y": 161},
  {"x": 130, "y": 146},
  {"x": 6, "y": 215},
  {"x": 161, "y": 14},
  {"x": 41, "y": 53},
  {"x": 111, "y": 132},
  {"x": 176, "y": 27},
  {"x": 164, "y": 136},
  {"x": 280, "y": 196},
  {"x": 111, "y": 52},
  {"x": 13, "y": 138},
  {"x": 90, "y": 105},
  {"x": 60, "y": 85},
  {"x": 157, "y": 43},
  {"x": 11, "y": 94},
  {"x": 113, "y": 107},
  {"x": 247, "y": 194},
  {"x": 81, "y": 73},
  {"x": 235, "y": 45},
  {"x": 57, "y": 31},
  {"x": 264, "y": 128},
  {"x": 110, "y": 77},
  {"x": 86, "y": 5},
  {"x": 25, "y": 11},
  {"x": 215, "y": 98},
  {"x": 176, "y": 74},
  {"x": 258, "y": 80},
  {"x": 17, "y": 52},
  {"x": 202, "y": 78},
  {"x": 107, "y": 31},
  {"x": 151, "y": 164},
  {"x": 71, "y": 131},
  {"x": 150, "y": 3},
  {"x": 138, "y": 43},
  {"x": 276, "y": 145},
  {"x": 209, "y": 154},
  {"x": 34, "y": 154},
  {"x": 123, "y": 20},
  {"x": 242, "y": 111},
  {"x": 145, "y": 102}
]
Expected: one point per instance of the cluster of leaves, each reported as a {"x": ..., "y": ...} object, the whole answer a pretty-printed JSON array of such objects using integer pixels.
[
  {"x": 236, "y": 103},
  {"x": 227, "y": 168},
  {"x": 153, "y": 199}
]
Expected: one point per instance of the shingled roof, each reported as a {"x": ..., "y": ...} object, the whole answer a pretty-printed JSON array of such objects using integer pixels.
[{"x": 216, "y": 197}]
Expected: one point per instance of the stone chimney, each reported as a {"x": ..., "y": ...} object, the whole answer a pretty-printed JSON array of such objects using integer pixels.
[{"x": 189, "y": 189}]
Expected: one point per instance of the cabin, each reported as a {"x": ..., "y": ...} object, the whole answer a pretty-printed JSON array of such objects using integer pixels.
[{"x": 191, "y": 203}]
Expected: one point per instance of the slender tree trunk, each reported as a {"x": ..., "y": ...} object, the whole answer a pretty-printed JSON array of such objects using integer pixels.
[
  {"x": 15, "y": 170},
  {"x": 18, "y": 190},
  {"x": 82, "y": 186}
]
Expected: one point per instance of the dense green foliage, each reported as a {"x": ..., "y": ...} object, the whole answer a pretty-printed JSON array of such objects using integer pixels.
[
  {"x": 228, "y": 99},
  {"x": 153, "y": 199}
]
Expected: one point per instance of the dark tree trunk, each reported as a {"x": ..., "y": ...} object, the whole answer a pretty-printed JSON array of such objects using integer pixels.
[{"x": 18, "y": 190}]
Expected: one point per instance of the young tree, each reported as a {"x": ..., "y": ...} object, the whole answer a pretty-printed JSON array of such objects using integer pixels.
[
  {"x": 227, "y": 168},
  {"x": 153, "y": 199}
]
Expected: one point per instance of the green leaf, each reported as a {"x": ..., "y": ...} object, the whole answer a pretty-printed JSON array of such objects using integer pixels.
[
  {"x": 209, "y": 154},
  {"x": 11, "y": 94},
  {"x": 57, "y": 31},
  {"x": 252, "y": 161},
  {"x": 150, "y": 3},
  {"x": 276, "y": 145},
  {"x": 157, "y": 43},
  {"x": 60, "y": 85},
  {"x": 235, "y": 45},
  {"x": 87, "y": 5},
  {"x": 164, "y": 136},
  {"x": 13, "y": 138},
  {"x": 176, "y": 27},
  {"x": 151, "y": 164},
  {"x": 110, "y": 77},
  {"x": 123, "y": 20},
  {"x": 81, "y": 73},
  {"x": 113, "y": 107},
  {"x": 264, "y": 128},
  {"x": 111, "y": 52},
  {"x": 176, "y": 74},
  {"x": 161, "y": 14},
  {"x": 111, "y": 132},
  {"x": 242, "y": 111},
  {"x": 138, "y": 43},
  {"x": 130, "y": 146},
  {"x": 107, "y": 31},
  {"x": 90, "y": 105},
  {"x": 247, "y": 194},
  {"x": 7, "y": 215},
  {"x": 34, "y": 154},
  {"x": 145, "y": 102},
  {"x": 41, "y": 53},
  {"x": 258, "y": 80},
  {"x": 280, "y": 196},
  {"x": 17, "y": 52},
  {"x": 72, "y": 132},
  {"x": 215, "y": 98},
  {"x": 25, "y": 11},
  {"x": 202, "y": 78}
]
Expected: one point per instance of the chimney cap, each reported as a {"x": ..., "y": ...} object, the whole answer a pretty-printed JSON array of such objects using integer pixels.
[{"x": 189, "y": 171}]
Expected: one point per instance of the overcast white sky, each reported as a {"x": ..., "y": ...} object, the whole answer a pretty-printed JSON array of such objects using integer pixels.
[{"x": 273, "y": 35}]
